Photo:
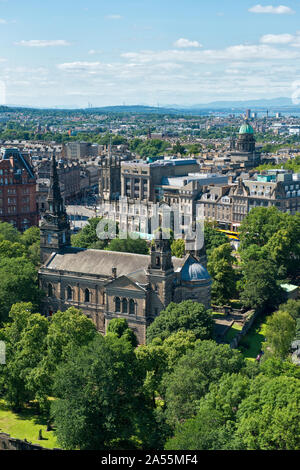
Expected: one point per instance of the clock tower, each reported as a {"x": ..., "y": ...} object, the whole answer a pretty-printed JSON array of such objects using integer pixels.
[{"x": 55, "y": 226}]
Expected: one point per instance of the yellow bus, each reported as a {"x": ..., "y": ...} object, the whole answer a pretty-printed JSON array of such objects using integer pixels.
[{"x": 230, "y": 234}]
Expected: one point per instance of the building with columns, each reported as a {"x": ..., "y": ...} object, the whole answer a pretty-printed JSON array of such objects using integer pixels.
[{"x": 107, "y": 285}]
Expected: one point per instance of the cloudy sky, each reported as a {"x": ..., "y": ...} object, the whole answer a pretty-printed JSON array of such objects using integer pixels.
[{"x": 75, "y": 52}]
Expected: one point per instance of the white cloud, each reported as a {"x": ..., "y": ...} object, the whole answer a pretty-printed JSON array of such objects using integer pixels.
[
  {"x": 241, "y": 52},
  {"x": 79, "y": 65},
  {"x": 277, "y": 38},
  {"x": 182, "y": 43},
  {"x": 2, "y": 21},
  {"x": 280, "y": 10},
  {"x": 290, "y": 39},
  {"x": 43, "y": 43}
]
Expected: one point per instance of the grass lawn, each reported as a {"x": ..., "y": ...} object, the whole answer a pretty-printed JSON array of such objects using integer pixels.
[
  {"x": 26, "y": 425},
  {"x": 252, "y": 342},
  {"x": 233, "y": 331}
]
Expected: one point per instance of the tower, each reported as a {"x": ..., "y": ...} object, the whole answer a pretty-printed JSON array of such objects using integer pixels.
[
  {"x": 55, "y": 226},
  {"x": 246, "y": 140},
  {"x": 161, "y": 273},
  {"x": 110, "y": 178}
]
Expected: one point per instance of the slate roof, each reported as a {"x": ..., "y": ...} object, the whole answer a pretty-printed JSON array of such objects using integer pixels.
[{"x": 100, "y": 262}]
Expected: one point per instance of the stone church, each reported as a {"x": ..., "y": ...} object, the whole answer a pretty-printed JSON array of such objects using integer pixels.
[{"x": 106, "y": 284}]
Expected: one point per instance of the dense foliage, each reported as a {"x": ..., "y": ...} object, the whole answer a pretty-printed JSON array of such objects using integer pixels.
[
  {"x": 19, "y": 257},
  {"x": 186, "y": 316}
]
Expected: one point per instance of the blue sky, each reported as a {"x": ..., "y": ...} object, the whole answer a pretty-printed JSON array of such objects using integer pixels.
[{"x": 73, "y": 52}]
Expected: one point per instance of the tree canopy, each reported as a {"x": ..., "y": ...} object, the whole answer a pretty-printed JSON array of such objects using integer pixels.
[{"x": 185, "y": 316}]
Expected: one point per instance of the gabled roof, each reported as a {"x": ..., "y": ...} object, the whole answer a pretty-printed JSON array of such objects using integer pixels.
[{"x": 101, "y": 262}]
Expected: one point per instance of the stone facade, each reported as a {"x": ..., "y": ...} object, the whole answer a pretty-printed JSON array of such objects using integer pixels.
[
  {"x": 107, "y": 285},
  {"x": 17, "y": 190}
]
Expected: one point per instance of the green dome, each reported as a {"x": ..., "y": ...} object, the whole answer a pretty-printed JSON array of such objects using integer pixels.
[{"x": 246, "y": 129}]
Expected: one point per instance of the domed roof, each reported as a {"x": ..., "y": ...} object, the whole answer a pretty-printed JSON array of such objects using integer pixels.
[
  {"x": 246, "y": 129},
  {"x": 194, "y": 271}
]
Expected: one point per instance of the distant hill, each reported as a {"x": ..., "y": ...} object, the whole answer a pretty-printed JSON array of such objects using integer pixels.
[
  {"x": 266, "y": 103},
  {"x": 138, "y": 109},
  {"x": 274, "y": 104}
]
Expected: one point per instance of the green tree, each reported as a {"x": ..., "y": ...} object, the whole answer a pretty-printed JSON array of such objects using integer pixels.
[
  {"x": 260, "y": 225},
  {"x": 261, "y": 290},
  {"x": 220, "y": 267},
  {"x": 178, "y": 148},
  {"x": 120, "y": 328},
  {"x": 213, "y": 238},
  {"x": 25, "y": 339},
  {"x": 30, "y": 236},
  {"x": 8, "y": 232},
  {"x": 273, "y": 366},
  {"x": 128, "y": 245},
  {"x": 11, "y": 249},
  {"x": 194, "y": 373},
  {"x": 268, "y": 418},
  {"x": 100, "y": 401},
  {"x": 159, "y": 358},
  {"x": 178, "y": 248},
  {"x": 284, "y": 248},
  {"x": 213, "y": 426},
  {"x": 18, "y": 283},
  {"x": 280, "y": 331},
  {"x": 87, "y": 237},
  {"x": 185, "y": 316},
  {"x": 204, "y": 432}
]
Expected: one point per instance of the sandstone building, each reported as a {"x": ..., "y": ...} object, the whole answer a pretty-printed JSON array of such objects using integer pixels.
[
  {"x": 106, "y": 285},
  {"x": 17, "y": 190}
]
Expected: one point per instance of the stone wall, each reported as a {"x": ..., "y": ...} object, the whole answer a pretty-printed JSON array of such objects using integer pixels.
[
  {"x": 10, "y": 443},
  {"x": 251, "y": 317}
]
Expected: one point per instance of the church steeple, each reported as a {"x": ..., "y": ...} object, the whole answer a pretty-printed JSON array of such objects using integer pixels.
[
  {"x": 161, "y": 255},
  {"x": 55, "y": 226},
  {"x": 54, "y": 199}
]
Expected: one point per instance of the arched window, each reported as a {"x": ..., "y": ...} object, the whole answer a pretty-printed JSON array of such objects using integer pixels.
[
  {"x": 50, "y": 290},
  {"x": 87, "y": 295},
  {"x": 124, "y": 306},
  {"x": 157, "y": 261},
  {"x": 69, "y": 293},
  {"x": 131, "y": 307},
  {"x": 117, "y": 304}
]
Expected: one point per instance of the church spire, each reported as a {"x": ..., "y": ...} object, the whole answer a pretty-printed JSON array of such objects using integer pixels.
[
  {"x": 54, "y": 199},
  {"x": 55, "y": 226}
]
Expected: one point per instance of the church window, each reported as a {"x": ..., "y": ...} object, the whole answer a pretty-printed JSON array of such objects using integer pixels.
[
  {"x": 87, "y": 295},
  {"x": 117, "y": 304},
  {"x": 131, "y": 307},
  {"x": 157, "y": 261},
  {"x": 49, "y": 238},
  {"x": 64, "y": 237},
  {"x": 69, "y": 293},
  {"x": 124, "y": 306},
  {"x": 50, "y": 290}
]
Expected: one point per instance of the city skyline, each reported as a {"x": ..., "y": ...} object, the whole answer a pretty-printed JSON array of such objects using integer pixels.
[{"x": 74, "y": 53}]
